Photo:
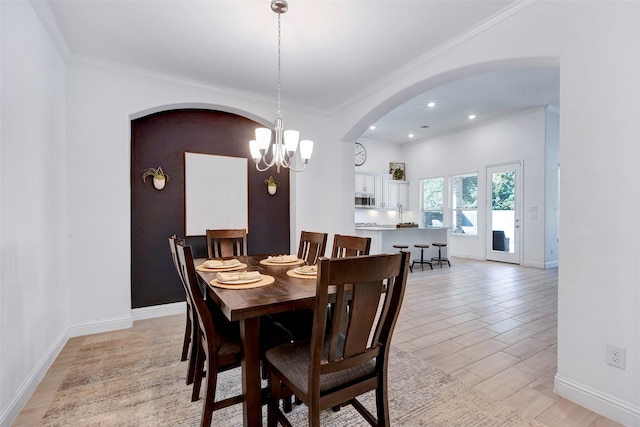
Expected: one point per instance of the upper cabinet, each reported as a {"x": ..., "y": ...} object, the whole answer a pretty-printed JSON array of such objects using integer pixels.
[
  {"x": 398, "y": 194},
  {"x": 365, "y": 184},
  {"x": 387, "y": 192}
]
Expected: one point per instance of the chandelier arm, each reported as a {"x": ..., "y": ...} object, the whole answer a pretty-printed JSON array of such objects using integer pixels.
[
  {"x": 262, "y": 170},
  {"x": 298, "y": 170}
]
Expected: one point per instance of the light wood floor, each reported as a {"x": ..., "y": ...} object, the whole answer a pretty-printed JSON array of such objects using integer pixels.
[{"x": 492, "y": 325}]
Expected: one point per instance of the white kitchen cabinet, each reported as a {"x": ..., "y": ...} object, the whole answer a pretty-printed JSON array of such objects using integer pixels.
[
  {"x": 378, "y": 191},
  {"x": 365, "y": 184},
  {"x": 398, "y": 194}
]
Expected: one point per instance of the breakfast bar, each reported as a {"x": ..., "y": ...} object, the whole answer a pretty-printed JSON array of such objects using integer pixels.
[{"x": 384, "y": 237}]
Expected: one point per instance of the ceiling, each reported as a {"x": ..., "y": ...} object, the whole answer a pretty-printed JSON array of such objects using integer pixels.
[{"x": 334, "y": 53}]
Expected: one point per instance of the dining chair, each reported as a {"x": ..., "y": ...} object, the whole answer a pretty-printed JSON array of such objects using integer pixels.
[
  {"x": 334, "y": 367},
  {"x": 312, "y": 246},
  {"x": 190, "y": 342},
  {"x": 344, "y": 246},
  {"x": 219, "y": 346},
  {"x": 226, "y": 243}
]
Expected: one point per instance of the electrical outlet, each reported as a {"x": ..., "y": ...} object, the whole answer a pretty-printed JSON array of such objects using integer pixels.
[{"x": 616, "y": 356}]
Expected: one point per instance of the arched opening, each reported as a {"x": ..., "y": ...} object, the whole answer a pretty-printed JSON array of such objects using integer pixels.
[{"x": 161, "y": 139}]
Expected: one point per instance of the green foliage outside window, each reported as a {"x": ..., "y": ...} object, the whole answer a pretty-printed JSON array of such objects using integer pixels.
[{"x": 503, "y": 191}]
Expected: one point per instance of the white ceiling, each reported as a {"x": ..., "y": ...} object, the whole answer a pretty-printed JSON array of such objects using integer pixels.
[{"x": 334, "y": 52}]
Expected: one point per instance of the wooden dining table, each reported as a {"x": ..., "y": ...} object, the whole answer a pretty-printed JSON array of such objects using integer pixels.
[{"x": 246, "y": 306}]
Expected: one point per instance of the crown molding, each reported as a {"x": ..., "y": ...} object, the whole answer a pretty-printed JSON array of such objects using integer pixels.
[
  {"x": 50, "y": 23},
  {"x": 515, "y": 9}
]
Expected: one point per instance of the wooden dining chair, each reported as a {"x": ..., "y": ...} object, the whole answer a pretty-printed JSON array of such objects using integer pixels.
[
  {"x": 190, "y": 342},
  {"x": 226, "y": 243},
  {"x": 312, "y": 246},
  {"x": 335, "y": 367},
  {"x": 219, "y": 345},
  {"x": 298, "y": 322},
  {"x": 344, "y": 246}
]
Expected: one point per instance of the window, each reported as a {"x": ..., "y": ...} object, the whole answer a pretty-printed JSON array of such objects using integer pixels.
[
  {"x": 432, "y": 202},
  {"x": 464, "y": 204}
]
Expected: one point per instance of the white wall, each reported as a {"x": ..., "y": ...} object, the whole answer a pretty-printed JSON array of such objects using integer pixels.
[
  {"x": 551, "y": 213},
  {"x": 595, "y": 46},
  {"x": 33, "y": 285},
  {"x": 379, "y": 155},
  {"x": 520, "y": 137},
  {"x": 102, "y": 133}
]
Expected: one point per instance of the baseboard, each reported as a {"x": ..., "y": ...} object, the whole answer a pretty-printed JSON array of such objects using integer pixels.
[
  {"x": 159, "y": 310},
  {"x": 12, "y": 410},
  {"x": 112, "y": 324},
  {"x": 467, "y": 256},
  {"x": 601, "y": 403},
  {"x": 533, "y": 264},
  {"x": 551, "y": 264}
]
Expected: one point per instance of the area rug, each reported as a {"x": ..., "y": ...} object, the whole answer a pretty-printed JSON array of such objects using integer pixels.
[{"x": 134, "y": 377}]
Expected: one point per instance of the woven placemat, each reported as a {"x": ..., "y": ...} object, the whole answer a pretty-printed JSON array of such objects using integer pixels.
[
  {"x": 282, "y": 264},
  {"x": 292, "y": 273}
]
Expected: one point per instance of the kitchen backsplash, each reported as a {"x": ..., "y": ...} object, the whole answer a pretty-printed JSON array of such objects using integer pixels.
[{"x": 383, "y": 216}]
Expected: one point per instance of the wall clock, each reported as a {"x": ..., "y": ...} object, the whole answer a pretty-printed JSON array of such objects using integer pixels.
[{"x": 361, "y": 154}]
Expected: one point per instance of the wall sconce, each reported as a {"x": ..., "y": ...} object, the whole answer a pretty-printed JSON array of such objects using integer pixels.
[
  {"x": 272, "y": 185},
  {"x": 160, "y": 178}
]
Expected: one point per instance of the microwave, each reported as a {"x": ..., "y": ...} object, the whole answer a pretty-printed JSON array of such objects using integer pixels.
[{"x": 365, "y": 201}]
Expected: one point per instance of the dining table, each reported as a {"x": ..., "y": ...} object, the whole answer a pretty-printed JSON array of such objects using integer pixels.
[{"x": 246, "y": 303}]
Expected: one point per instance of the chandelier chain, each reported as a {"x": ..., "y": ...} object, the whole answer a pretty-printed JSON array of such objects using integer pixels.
[{"x": 279, "y": 113}]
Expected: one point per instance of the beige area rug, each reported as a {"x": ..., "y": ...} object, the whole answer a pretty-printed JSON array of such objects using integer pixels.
[{"x": 134, "y": 378}]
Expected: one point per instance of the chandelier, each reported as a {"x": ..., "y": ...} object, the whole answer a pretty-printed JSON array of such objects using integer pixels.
[{"x": 284, "y": 149}]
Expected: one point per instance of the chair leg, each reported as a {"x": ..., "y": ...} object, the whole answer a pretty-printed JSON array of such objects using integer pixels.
[
  {"x": 382, "y": 403},
  {"x": 198, "y": 373},
  {"x": 273, "y": 400},
  {"x": 191, "y": 369},
  {"x": 209, "y": 394},
  {"x": 287, "y": 404}
]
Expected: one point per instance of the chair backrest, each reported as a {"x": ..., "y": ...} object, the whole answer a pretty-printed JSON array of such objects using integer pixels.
[
  {"x": 369, "y": 292},
  {"x": 174, "y": 255},
  {"x": 173, "y": 242},
  {"x": 344, "y": 246},
  {"x": 312, "y": 246},
  {"x": 226, "y": 243},
  {"x": 187, "y": 267}
]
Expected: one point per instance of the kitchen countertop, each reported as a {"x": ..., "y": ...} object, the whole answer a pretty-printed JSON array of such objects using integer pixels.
[{"x": 393, "y": 228}]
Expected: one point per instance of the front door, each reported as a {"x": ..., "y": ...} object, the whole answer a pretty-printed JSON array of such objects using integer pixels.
[{"x": 503, "y": 212}]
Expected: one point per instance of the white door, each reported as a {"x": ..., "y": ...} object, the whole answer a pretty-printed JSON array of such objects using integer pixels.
[{"x": 504, "y": 212}]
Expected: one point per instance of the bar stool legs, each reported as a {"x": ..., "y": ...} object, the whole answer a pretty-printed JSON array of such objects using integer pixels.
[
  {"x": 401, "y": 247},
  {"x": 439, "y": 258},
  {"x": 421, "y": 261}
]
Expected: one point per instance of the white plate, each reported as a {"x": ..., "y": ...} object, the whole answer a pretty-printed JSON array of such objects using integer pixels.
[
  {"x": 241, "y": 281},
  {"x": 301, "y": 270}
]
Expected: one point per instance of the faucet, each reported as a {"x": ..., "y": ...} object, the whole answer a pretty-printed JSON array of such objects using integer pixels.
[{"x": 400, "y": 212}]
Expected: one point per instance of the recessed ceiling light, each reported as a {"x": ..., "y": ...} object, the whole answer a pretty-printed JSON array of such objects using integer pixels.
[
  {"x": 431, "y": 104},
  {"x": 372, "y": 127},
  {"x": 472, "y": 116},
  {"x": 410, "y": 135}
]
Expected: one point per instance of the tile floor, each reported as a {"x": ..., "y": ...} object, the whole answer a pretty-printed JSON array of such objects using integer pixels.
[{"x": 492, "y": 325}]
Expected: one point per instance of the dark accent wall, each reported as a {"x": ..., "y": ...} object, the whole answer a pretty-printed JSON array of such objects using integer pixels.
[{"x": 160, "y": 140}]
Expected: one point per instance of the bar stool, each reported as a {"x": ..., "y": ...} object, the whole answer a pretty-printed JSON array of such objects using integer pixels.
[
  {"x": 421, "y": 261},
  {"x": 439, "y": 258},
  {"x": 401, "y": 247}
]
